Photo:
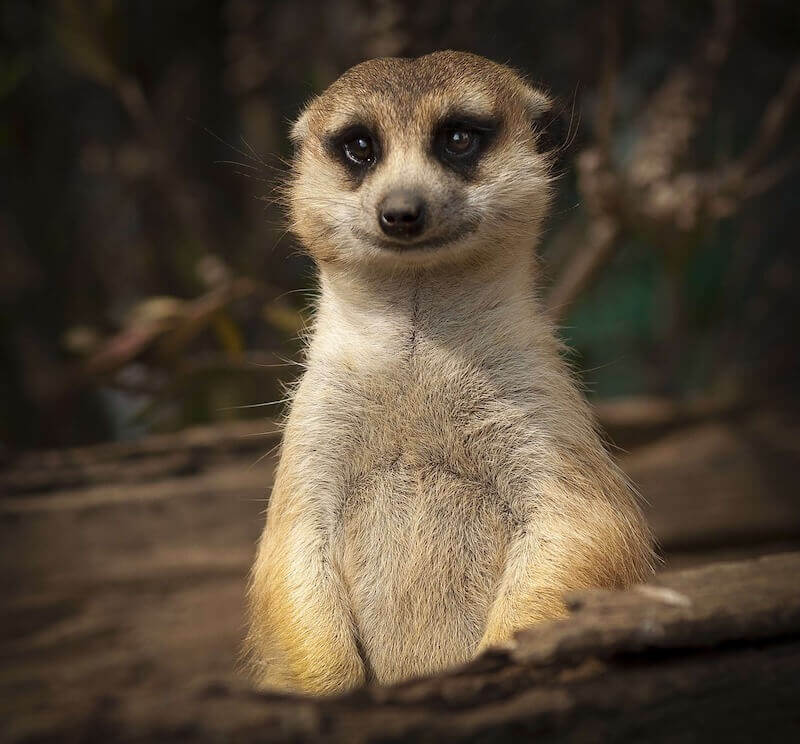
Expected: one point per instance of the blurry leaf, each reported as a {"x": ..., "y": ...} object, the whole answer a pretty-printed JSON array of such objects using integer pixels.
[
  {"x": 12, "y": 71},
  {"x": 229, "y": 335},
  {"x": 209, "y": 390},
  {"x": 212, "y": 271},
  {"x": 75, "y": 31},
  {"x": 155, "y": 311},
  {"x": 199, "y": 314},
  {"x": 283, "y": 318},
  {"x": 86, "y": 58},
  {"x": 134, "y": 160},
  {"x": 81, "y": 340}
]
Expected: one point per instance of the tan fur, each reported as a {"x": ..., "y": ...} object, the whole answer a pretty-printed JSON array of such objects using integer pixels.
[{"x": 441, "y": 484}]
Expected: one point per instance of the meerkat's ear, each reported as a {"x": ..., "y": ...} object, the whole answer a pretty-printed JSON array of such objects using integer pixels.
[
  {"x": 299, "y": 130},
  {"x": 548, "y": 122}
]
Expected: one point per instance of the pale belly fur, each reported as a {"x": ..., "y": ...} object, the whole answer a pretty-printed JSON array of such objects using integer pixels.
[
  {"x": 424, "y": 529},
  {"x": 422, "y": 554}
]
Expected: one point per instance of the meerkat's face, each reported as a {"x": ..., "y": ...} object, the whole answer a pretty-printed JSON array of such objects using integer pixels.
[{"x": 413, "y": 162}]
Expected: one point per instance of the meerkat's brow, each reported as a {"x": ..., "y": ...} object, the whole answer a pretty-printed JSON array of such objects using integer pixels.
[
  {"x": 349, "y": 128},
  {"x": 344, "y": 121},
  {"x": 481, "y": 120}
]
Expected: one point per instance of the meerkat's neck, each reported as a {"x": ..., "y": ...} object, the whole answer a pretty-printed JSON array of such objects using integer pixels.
[{"x": 475, "y": 310}]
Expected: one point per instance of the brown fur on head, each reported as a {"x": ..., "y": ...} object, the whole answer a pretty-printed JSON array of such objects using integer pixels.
[{"x": 415, "y": 162}]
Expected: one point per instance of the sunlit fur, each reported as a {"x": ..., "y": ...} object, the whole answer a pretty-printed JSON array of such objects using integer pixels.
[{"x": 441, "y": 483}]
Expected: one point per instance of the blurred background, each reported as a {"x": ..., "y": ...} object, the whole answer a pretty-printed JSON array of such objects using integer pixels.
[
  {"x": 146, "y": 278},
  {"x": 148, "y": 284}
]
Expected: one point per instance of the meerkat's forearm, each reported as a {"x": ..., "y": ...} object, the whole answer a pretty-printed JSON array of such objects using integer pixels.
[
  {"x": 558, "y": 553},
  {"x": 302, "y": 635}
]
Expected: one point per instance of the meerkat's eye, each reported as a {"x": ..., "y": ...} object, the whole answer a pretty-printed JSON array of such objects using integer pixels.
[
  {"x": 356, "y": 148},
  {"x": 359, "y": 149},
  {"x": 459, "y": 144},
  {"x": 460, "y": 141}
]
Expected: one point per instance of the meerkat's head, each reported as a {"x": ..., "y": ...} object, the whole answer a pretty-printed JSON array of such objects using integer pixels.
[{"x": 414, "y": 162}]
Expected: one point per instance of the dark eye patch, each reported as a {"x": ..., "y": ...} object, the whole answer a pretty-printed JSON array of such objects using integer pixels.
[
  {"x": 356, "y": 147},
  {"x": 459, "y": 141}
]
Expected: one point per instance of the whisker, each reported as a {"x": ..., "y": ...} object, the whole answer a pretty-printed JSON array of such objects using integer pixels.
[
  {"x": 251, "y": 177},
  {"x": 269, "y": 366},
  {"x": 236, "y": 162},
  {"x": 255, "y": 405},
  {"x": 222, "y": 141},
  {"x": 252, "y": 150},
  {"x": 265, "y": 455}
]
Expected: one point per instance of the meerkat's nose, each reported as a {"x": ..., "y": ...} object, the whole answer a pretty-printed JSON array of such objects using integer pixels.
[{"x": 402, "y": 214}]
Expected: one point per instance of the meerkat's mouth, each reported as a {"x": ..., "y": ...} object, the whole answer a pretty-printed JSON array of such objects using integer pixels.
[{"x": 423, "y": 244}]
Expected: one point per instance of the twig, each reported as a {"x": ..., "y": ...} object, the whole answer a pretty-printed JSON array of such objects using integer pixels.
[
  {"x": 736, "y": 179},
  {"x": 607, "y": 103}
]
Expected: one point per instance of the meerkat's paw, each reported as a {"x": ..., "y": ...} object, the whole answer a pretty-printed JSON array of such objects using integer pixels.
[
  {"x": 505, "y": 623},
  {"x": 496, "y": 636}
]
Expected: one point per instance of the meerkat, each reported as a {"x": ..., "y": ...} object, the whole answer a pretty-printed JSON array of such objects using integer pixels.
[{"x": 441, "y": 482}]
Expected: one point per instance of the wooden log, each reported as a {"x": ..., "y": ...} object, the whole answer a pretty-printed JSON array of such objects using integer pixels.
[
  {"x": 124, "y": 574},
  {"x": 703, "y": 655}
]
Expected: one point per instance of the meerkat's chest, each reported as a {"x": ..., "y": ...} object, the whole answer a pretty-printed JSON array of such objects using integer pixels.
[{"x": 426, "y": 518}]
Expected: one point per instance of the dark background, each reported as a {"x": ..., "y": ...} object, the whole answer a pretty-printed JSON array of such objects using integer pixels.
[
  {"x": 147, "y": 284},
  {"x": 146, "y": 278}
]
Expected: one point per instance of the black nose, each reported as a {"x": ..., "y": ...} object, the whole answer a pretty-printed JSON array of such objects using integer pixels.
[{"x": 402, "y": 214}]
